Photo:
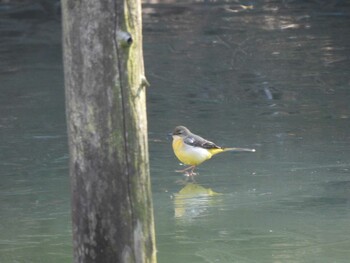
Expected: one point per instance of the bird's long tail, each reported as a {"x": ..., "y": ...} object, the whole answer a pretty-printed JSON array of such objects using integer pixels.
[
  {"x": 231, "y": 149},
  {"x": 234, "y": 149}
]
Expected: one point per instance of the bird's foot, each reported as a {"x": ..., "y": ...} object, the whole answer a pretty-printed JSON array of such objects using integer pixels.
[
  {"x": 188, "y": 172},
  {"x": 190, "y": 176}
]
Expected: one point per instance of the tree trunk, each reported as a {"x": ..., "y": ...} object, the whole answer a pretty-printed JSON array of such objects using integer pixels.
[{"x": 107, "y": 129}]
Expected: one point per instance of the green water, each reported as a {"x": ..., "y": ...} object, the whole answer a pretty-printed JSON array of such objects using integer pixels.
[{"x": 274, "y": 77}]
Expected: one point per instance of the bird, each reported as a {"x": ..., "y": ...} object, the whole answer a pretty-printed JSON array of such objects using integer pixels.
[{"x": 192, "y": 150}]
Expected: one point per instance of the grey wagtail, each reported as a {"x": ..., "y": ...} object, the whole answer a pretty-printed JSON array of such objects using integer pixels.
[{"x": 193, "y": 150}]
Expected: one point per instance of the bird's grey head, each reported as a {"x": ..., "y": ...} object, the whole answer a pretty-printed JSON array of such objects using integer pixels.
[{"x": 181, "y": 131}]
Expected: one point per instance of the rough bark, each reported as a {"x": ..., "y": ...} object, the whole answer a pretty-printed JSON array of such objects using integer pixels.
[{"x": 107, "y": 129}]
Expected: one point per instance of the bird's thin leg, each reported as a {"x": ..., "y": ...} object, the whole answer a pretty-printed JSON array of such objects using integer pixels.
[
  {"x": 186, "y": 169},
  {"x": 192, "y": 173}
]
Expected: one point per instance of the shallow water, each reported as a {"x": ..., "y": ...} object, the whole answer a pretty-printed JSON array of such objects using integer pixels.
[{"x": 273, "y": 76}]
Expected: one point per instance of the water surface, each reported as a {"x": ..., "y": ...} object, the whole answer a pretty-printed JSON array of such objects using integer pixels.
[{"x": 268, "y": 75}]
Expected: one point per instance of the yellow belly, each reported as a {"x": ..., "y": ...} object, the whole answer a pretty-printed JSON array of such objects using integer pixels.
[{"x": 188, "y": 154}]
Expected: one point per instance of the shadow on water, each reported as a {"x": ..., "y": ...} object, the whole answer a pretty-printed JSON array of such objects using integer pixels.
[{"x": 192, "y": 201}]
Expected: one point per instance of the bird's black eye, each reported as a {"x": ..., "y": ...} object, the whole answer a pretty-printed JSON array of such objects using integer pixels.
[{"x": 178, "y": 132}]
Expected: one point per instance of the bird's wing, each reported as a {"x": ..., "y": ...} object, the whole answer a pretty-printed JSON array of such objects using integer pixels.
[{"x": 197, "y": 141}]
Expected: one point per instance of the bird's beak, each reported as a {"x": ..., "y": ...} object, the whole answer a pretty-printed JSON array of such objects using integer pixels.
[{"x": 169, "y": 136}]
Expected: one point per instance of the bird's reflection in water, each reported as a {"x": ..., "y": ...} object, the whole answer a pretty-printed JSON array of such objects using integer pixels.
[{"x": 192, "y": 201}]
